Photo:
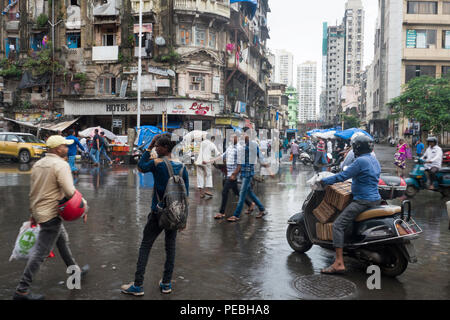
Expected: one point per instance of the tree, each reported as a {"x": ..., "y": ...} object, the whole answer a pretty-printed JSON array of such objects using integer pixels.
[{"x": 427, "y": 100}]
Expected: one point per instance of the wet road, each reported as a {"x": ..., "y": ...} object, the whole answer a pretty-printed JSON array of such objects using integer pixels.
[{"x": 215, "y": 259}]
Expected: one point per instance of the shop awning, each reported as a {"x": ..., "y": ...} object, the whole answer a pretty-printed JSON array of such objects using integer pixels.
[
  {"x": 171, "y": 125},
  {"x": 60, "y": 126}
]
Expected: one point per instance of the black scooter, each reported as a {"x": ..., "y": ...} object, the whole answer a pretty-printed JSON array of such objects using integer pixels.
[{"x": 380, "y": 236}]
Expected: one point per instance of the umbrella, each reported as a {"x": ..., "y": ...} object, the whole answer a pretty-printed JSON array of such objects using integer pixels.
[
  {"x": 348, "y": 133},
  {"x": 89, "y": 132},
  {"x": 195, "y": 135},
  {"x": 146, "y": 135}
]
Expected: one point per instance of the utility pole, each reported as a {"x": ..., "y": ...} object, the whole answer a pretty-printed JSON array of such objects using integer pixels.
[{"x": 139, "y": 70}]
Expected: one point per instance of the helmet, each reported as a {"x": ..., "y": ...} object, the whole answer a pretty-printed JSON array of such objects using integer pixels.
[
  {"x": 361, "y": 145},
  {"x": 73, "y": 208},
  {"x": 432, "y": 139}
]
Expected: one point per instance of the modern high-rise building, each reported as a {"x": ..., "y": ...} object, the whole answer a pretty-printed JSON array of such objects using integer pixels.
[
  {"x": 323, "y": 92},
  {"x": 292, "y": 94},
  {"x": 335, "y": 54},
  {"x": 306, "y": 88},
  {"x": 354, "y": 41},
  {"x": 412, "y": 39},
  {"x": 284, "y": 67}
]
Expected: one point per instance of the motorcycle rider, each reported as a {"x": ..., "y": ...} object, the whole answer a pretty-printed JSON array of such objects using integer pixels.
[
  {"x": 433, "y": 156},
  {"x": 365, "y": 172}
]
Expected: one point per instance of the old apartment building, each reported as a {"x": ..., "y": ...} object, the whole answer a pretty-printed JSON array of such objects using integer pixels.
[{"x": 202, "y": 60}]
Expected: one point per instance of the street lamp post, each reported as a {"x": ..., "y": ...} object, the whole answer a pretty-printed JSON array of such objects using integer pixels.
[{"x": 139, "y": 69}]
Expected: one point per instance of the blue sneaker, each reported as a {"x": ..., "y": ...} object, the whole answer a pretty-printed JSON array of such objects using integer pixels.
[
  {"x": 165, "y": 287},
  {"x": 132, "y": 289}
]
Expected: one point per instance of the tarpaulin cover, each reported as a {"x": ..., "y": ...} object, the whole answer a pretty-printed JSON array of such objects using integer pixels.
[
  {"x": 348, "y": 133},
  {"x": 28, "y": 81},
  {"x": 252, "y": 5},
  {"x": 171, "y": 125},
  {"x": 146, "y": 135}
]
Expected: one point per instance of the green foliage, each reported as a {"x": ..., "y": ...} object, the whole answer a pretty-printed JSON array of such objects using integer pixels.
[
  {"x": 124, "y": 59},
  {"x": 427, "y": 100},
  {"x": 9, "y": 69},
  {"x": 43, "y": 63},
  {"x": 350, "y": 121},
  {"x": 25, "y": 104},
  {"x": 82, "y": 77},
  {"x": 131, "y": 41},
  {"x": 42, "y": 20},
  {"x": 171, "y": 58}
]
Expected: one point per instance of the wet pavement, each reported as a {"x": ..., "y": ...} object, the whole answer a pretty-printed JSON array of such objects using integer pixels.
[{"x": 250, "y": 259}]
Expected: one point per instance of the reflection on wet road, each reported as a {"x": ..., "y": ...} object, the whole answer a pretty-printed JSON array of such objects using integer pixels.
[{"x": 215, "y": 259}]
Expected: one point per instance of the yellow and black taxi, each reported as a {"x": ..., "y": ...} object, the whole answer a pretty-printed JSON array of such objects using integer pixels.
[{"x": 21, "y": 146}]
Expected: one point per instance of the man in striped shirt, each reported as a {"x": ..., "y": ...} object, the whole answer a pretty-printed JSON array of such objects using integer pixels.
[{"x": 231, "y": 158}]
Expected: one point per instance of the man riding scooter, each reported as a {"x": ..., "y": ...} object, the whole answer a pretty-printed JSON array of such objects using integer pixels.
[
  {"x": 365, "y": 171},
  {"x": 433, "y": 156}
]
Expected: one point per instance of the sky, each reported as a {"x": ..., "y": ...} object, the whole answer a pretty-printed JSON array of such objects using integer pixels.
[{"x": 296, "y": 25}]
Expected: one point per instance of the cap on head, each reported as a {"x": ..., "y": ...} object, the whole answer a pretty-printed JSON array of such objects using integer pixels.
[{"x": 56, "y": 141}]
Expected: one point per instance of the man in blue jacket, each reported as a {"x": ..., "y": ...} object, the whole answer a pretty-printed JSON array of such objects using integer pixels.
[
  {"x": 71, "y": 155},
  {"x": 164, "y": 146},
  {"x": 365, "y": 173}
]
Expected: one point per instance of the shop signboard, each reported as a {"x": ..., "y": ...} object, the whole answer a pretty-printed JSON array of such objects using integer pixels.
[
  {"x": 411, "y": 36},
  {"x": 223, "y": 121}
]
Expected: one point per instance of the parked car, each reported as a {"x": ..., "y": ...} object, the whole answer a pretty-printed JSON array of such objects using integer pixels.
[{"x": 21, "y": 146}]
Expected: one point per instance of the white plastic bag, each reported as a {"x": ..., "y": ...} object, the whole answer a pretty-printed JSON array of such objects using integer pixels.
[
  {"x": 25, "y": 241},
  {"x": 317, "y": 177}
]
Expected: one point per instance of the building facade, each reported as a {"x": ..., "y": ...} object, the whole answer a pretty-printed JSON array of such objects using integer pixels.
[
  {"x": 202, "y": 60},
  {"x": 284, "y": 67},
  {"x": 292, "y": 94},
  {"x": 306, "y": 88}
]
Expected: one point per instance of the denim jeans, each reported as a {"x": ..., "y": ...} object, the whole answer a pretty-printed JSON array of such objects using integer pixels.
[
  {"x": 246, "y": 189},
  {"x": 105, "y": 154},
  {"x": 72, "y": 163},
  {"x": 230, "y": 184},
  {"x": 51, "y": 232},
  {"x": 151, "y": 232},
  {"x": 95, "y": 154},
  {"x": 344, "y": 222}
]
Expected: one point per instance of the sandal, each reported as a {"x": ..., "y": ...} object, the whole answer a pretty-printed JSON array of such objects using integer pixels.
[
  {"x": 233, "y": 219},
  {"x": 332, "y": 270},
  {"x": 261, "y": 214},
  {"x": 209, "y": 194},
  {"x": 250, "y": 209},
  {"x": 219, "y": 216}
]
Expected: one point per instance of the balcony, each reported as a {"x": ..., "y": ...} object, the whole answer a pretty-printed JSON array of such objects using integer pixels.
[
  {"x": 147, "y": 7},
  {"x": 238, "y": 22},
  {"x": 108, "y": 8},
  {"x": 105, "y": 53},
  {"x": 216, "y": 8},
  {"x": 73, "y": 18}
]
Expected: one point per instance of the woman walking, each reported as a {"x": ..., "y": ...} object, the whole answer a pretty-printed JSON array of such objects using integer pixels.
[{"x": 400, "y": 157}]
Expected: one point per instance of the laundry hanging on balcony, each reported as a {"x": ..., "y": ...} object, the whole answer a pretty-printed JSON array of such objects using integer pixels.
[{"x": 251, "y": 6}]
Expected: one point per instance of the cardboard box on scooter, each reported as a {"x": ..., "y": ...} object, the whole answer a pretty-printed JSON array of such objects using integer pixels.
[
  {"x": 324, "y": 212},
  {"x": 339, "y": 195}
]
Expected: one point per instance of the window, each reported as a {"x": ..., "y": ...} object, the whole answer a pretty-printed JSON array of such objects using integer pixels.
[
  {"x": 422, "y": 7},
  {"x": 185, "y": 35},
  {"x": 108, "y": 85},
  {"x": 420, "y": 38},
  {"x": 200, "y": 36},
  {"x": 109, "y": 38},
  {"x": 196, "y": 82},
  {"x": 446, "y": 7},
  {"x": 10, "y": 137},
  {"x": 74, "y": 40},
  {"x": 446, "y": 39},
  {"x": 417, "y": 71},
  {"x": 445, "y": 71},
  {"x": 212, "y": 39},
  {"x": 2, "y": 137}
]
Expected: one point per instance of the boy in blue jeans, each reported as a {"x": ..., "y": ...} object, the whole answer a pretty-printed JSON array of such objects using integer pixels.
[{"x": 152, "y": 230}]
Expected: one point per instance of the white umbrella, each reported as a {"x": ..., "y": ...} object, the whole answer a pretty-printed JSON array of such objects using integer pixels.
[
  {"x": 90, "y": 132},
  {"x": 195, "y": 135}
]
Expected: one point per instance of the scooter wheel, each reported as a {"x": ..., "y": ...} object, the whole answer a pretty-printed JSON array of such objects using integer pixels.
[
  {"x": 298, "y": 238},
  {"x": 411, "y": 191},
  {"x": 395, "y": 264}
]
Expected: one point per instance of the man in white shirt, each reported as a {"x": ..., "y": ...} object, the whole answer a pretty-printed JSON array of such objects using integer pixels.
[
  {"x": 204, "y": 168},
  {"x": 433, "y": 161}
]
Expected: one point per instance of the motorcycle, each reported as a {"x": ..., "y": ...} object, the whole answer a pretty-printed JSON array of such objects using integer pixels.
[
  {"x": 305, "y": 158},
  {"x": 418, "y": 180},
  {"x": 380, "y": 236},
  {"x": 446, "y": 158}
]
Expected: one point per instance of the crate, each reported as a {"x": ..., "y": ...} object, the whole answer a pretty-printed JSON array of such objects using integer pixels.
[
  {"x": 339, "y": 195},
  {"x": 324, "y": 231},
  {"x": 324, "y": 212}
]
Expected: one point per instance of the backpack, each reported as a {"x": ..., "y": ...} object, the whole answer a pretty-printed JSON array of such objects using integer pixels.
[{"x": 173, "y": 207}]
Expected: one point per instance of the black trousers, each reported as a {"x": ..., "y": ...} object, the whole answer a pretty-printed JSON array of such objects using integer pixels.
[
  {"x": 230, "y": 184},
  {"x": 151, "y": 231}
]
